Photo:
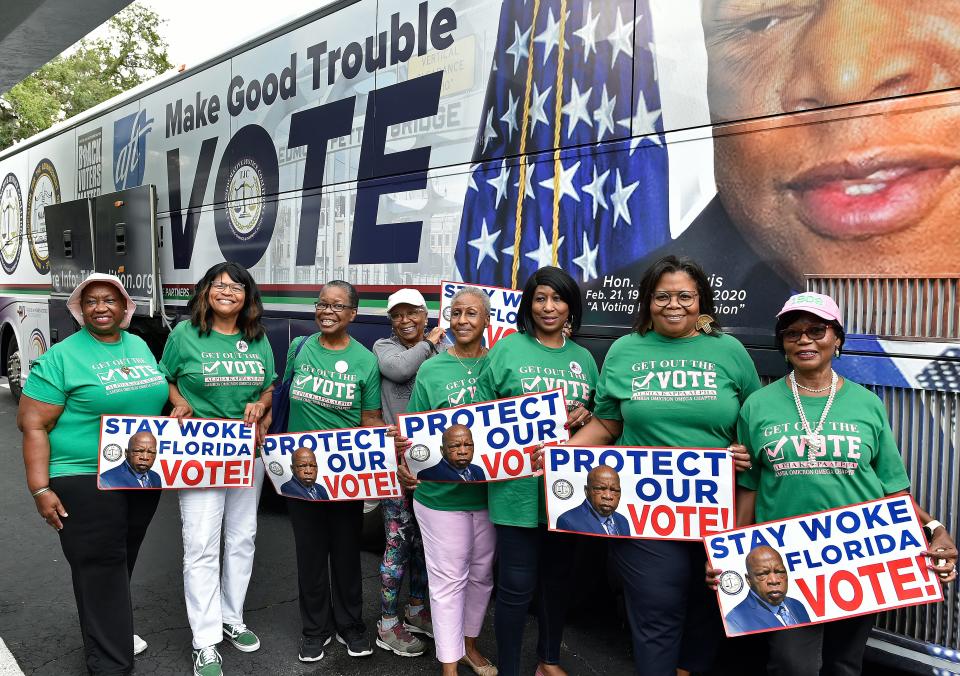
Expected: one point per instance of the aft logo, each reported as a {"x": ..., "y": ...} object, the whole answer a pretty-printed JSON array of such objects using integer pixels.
[{"x": 130, "y": 149}]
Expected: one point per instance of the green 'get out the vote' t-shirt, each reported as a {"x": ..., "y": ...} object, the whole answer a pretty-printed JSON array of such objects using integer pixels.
[
  {"x": 218, "y": 374},
  {"x": 857, "y": 459},
  {"x": 87, "y": 378},
  {"x": 331, "y": 387},
  {"x": 443, "y": 382},
  {"x": 684, "y": 392},
  {"x": 519, "y": 364}
]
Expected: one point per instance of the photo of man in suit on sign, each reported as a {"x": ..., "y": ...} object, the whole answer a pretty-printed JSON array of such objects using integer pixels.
[
  {"x": 456, "y": 446},
  {"x": 304, "y": 482},
  {"x": 598, "y": 513},
  {"x": 135, "y": 472},
  {"x": 767, "y": 605}
]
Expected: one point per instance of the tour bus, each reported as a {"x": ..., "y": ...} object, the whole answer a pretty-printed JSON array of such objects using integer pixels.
[{"x": 397, "y": 143}]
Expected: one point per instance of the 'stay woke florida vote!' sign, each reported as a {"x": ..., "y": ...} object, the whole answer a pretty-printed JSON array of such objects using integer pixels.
[
  {"x": 503, "y": 309},
  {"x": 826, "y": 566},
  {"x": 347, "y": 464},
  {"x": 488, "y": 441},
  {"x": 650, "y": 493},
  {"x": 156, "y": 452}
]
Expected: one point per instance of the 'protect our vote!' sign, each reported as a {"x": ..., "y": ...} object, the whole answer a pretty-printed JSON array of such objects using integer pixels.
[
  {"x": 840, "y": 563},
  {"x": 503, "y": 309},
  {"x": 347, "y": 464},
  {"x": 158, "y": 452},
  {"x": 633, "y": 492},
  {"x": 488, "y": 441}
]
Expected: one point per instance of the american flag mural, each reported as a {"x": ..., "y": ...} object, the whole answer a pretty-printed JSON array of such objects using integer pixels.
[{"x": 568, "y": 76}]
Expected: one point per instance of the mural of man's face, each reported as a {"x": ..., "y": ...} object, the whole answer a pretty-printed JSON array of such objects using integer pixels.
[
  {"x": 142, "y": 451},
  {"x": 874, "y": 190}
]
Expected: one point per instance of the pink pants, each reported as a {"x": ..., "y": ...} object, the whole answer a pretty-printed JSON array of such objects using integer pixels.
[{"x": 459, "y": 549}]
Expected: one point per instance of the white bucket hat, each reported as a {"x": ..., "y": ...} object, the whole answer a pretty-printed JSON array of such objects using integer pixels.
[{"x": 73, "y": 303}]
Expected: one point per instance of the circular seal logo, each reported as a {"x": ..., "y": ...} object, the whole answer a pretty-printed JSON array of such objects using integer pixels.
[
  {"x": 341, "y": 366},
  {"x": 275, "y": 468},
  {"x": 730, "y": 582},
  {"x": 38, "y": 343},
  {"x": 112, "y": 452},
  {"x": 11, "y": 223},
  {"x": 243, "y": 194},
  {"x": 447, "y": 311},
  {"x": 44, "y": 191},
  {"x": 420, "y": 453},
  {"x": 563, "y": 489},
  {"x": 575, "y": 368},
  {"x": 242, "y": 346}
]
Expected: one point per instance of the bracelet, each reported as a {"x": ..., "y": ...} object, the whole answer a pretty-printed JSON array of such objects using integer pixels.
[
  {"x": 40, "y": 491},
  {"x": 931, "y": 526}
]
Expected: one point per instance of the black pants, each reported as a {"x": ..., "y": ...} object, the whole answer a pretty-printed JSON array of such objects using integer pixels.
[
  {"x": 527, "y": 556},
  {"x": 674, "y": 619},
  {"x": 101, "y": 538},
  {"x": 322, "y": 531},
  {"x": 829, "y": 649}
]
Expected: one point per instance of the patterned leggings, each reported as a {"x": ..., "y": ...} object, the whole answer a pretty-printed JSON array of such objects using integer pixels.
[{"x": 404, "y": 546}]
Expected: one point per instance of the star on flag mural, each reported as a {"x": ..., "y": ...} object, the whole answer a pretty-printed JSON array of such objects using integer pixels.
[{"x": 570, "y": 165}]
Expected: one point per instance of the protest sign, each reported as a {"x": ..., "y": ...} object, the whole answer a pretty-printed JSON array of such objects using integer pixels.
[
  {"x": 503, "y": 309},
  {"x": 488, "y": 441},
  {"x": 158, "y": 452},
  {"x": 819, "y": 567},
  {"x": 649, "y": 493},
  {"x": 359, "y": 463}
]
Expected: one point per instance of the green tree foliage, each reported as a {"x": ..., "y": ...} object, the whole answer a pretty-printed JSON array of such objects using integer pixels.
[{"x": 132, "y": 52}]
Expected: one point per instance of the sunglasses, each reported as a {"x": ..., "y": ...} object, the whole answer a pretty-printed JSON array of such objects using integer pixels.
[{"x": 815, "y": 332}]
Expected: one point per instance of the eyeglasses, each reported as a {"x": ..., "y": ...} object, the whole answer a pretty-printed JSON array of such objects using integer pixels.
[
  {"x": 232, "y": 288},
  {"x": 684, "y": 298},
  {"x": 94, "y": 302},
  {"x": 336, "y": 307},
  {"x": 400, "y": 316},
  {"x": 814, "y": 332}
]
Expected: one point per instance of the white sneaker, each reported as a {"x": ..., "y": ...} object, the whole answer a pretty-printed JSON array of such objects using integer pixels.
[{"x": 139, "y": 645}]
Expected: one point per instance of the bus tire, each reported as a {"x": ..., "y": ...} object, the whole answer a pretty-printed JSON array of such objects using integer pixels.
[{"x": 11, "y": 360}]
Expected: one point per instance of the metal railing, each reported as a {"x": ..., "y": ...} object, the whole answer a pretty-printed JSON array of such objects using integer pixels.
[{"x": 913, "y": 308}]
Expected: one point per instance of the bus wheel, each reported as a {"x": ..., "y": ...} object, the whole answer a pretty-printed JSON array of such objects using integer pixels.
[{"x": 12, "y": 360}]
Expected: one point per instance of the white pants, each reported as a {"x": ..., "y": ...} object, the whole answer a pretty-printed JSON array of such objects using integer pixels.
[{"x": 214, "y": 597}]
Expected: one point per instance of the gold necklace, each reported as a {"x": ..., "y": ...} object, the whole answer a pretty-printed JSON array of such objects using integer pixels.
[
  {"x": 453, "y": 351},
  {"x": 123, "y": 351}
]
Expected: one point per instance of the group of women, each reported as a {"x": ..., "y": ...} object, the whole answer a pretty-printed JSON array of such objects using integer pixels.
[{"x": 446, "y": 537}]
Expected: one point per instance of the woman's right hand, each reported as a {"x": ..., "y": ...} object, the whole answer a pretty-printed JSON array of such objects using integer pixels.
[
  {"x": 181, "y": 411},
  {"x": 436, "y": 335},
  {"x": 51, "y": 509},
  {"x": 712, "y": 576},
  {"x": 407, "y": 480}
]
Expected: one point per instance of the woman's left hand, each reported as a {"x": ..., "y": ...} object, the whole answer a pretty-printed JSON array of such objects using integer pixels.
[
  {"x": 741, "y": 458},
  {"x": 577, "y": 417},
  {"x": 253, "y": 412},
  {"x": 263, "y": 427},
  {"x": 943, "y": 556}
]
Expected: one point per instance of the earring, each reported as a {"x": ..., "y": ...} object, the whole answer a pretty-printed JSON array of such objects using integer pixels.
[
  {"x": 786, "y": 359},
  {"x": 836, "y": 353}
]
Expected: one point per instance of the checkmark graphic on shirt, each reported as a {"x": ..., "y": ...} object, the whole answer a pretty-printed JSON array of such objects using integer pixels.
[
  {"x": 531, "y": 384},
  {"x": 455, "y": 399},
  {"x": 211, "y": 368}
]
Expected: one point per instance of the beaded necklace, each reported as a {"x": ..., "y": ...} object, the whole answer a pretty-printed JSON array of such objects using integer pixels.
[{"x": 812, "y": 437}]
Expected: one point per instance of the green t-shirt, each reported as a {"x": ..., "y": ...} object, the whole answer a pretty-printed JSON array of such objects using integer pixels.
[
  {"x": 676, "y": 391},
  {"x": 442, "y": 382},
  {"x": 518, "y": 364},
  {"x": 331, "y": 387},
  {"x": 217, "y": 374},
  {"x": 86, "y": 378},
  {"x": 859, "y": 461}
]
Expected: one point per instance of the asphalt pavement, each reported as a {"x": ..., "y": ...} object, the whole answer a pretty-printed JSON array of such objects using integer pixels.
[{"x": 38, "y": 616}]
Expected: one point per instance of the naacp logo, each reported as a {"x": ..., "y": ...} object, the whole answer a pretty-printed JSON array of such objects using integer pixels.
[
  {"x": 11, "y": 223},
  {"x": 130, "y": 149},
  {"x": 730, "y": 582},
  {"x": 44, "y": 191},
  {"x": 244, "y": 198},
  {"x": 420, "y": 453},
  {"x": 112, "y": 452},
  {"x": 563, "y": 489},
  {"x": 275, "y": 468},
  {"x": 242, "y": 346}
]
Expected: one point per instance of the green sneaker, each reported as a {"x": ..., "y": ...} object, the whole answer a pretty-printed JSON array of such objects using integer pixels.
[
  {"x": 207, "y": 662},
  {"x": 242, "y": 638}
]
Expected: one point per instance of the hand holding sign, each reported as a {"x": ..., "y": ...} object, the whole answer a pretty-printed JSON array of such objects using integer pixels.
[{"x": 488, "y": 441}]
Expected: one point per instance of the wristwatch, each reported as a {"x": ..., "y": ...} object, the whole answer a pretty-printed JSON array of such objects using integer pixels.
[{"x": 929, "y": 527}]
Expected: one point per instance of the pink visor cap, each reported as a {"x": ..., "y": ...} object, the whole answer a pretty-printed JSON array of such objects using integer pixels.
[
  {"x": 73, "y": 303},
  {"x": 818, "y": 304}
]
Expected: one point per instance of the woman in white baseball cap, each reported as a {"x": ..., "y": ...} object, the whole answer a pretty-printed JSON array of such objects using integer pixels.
[{"x": 101, "y": 369}]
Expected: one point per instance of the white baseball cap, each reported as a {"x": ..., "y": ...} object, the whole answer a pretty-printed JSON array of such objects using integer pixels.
[
  {"x": 408, "y": 296},
  {"x": 73, "y": 303}
]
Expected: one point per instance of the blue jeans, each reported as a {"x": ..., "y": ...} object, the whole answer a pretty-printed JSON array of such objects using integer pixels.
[{"x": 526, "y": 556}]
